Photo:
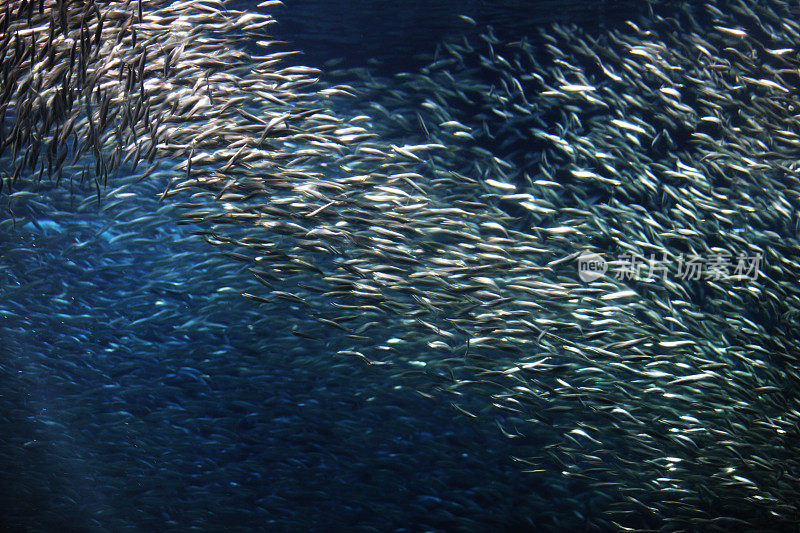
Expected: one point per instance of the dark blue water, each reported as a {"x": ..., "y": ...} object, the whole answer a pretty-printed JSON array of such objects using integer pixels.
[
  {"x": 400, "y": 36},
  {"x": 210, "y": 416}
]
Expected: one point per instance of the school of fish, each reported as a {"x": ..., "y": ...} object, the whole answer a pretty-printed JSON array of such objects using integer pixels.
[{"x": 171, "y": 177}]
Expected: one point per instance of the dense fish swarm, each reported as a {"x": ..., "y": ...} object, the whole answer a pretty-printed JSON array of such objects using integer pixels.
[{"x": 424, "y": 237}]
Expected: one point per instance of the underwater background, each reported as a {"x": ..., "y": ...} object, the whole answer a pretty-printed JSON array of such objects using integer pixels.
[{"x": 140, "y": 391}]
